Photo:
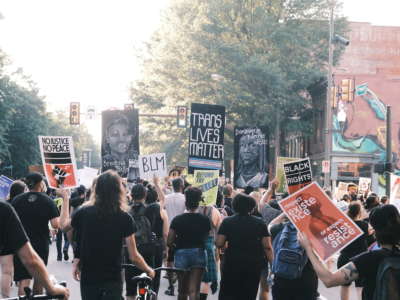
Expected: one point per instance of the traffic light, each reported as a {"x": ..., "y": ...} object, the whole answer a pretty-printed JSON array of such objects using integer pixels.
[
  {"x": 74, "y": 113},
  {"x": 334, "y": 96},
  {"x": 347, "y": 90},
  {"x": 182, "y": 116}
]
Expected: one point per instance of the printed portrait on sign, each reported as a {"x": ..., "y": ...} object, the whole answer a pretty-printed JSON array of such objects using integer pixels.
[
  {"x": 120, "y": 142},
  {"x": 251, "y": 157}
]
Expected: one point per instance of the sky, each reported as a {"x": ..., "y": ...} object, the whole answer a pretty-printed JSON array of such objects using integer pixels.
[{"x": 84, "y": 50}]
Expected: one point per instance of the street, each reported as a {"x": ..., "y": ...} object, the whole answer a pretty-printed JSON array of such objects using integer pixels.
[{"x": 63, "y": 272}]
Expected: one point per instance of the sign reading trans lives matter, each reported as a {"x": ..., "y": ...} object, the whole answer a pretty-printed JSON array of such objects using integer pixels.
[
  {"x": 315, "y": 215},
  {"x": 58, "y": 159},
  {"x": 206, "y": 138},
  {"x": 298, "y": 174}
]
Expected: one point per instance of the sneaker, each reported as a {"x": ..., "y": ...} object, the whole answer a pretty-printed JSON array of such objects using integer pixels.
[
  {"x": 59, "y": 257},
  {"x": 66, "y": 257},
  {"x": 170, "y": 291}
]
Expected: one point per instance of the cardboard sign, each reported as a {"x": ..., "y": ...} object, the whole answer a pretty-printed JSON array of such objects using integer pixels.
[
  {"x": 86, "y": 176},
  {"x": 153, "y": 165},
  {"x": 120, "y": 142},
  {"x": 280, "y": 173},
  {"x": 298, "y": 174},
  {"x": 341, "y": 190},
  {"x": 59, "y": 162},
  {"x": 5, "y": 185},
  {"x": 207, "y": 181},
  {"x": 251, "y": 157},
  {"x": 206, "y": 138},
  {"x": 364, "y": 185},
  {"x": 315, "y": 215}
]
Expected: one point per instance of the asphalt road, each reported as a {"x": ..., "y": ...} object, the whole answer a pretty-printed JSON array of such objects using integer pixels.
[{"x": 62, "y": 271}]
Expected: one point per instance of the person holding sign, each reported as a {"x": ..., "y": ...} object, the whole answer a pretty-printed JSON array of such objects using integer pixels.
[{"x": 386, "y": 222}]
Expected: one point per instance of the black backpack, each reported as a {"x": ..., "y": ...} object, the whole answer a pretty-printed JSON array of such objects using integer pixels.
[
  {"x": 145, "y": 237},
  {"x": 388, "y": 277}
]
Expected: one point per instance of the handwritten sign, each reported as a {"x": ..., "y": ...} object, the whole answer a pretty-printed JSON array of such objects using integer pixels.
[{"x": 152, "y": 165}]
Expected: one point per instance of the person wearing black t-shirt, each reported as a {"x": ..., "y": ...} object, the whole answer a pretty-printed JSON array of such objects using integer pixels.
[
  {"x": 36, "y": 210},
  {"x": 249, "y": 244},
  {"x": 13, "y": 240},
  {"x": 355, "y": 248},
  {"x": 100, "y": 228},
  {"x": 386, "y": 222},
  {"x": 187, "y": 234}
]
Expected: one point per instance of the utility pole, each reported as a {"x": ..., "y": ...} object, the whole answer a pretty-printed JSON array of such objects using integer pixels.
[
  {"x": 328, "y": 111},
  {"x": 277, "y": 138},
  {"x": 388, "y": 147}
]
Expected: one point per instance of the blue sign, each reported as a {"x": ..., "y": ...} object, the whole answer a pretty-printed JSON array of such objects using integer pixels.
[{"x": 5, "y": 184}]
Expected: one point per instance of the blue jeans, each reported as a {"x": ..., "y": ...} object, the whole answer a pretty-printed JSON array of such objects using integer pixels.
[{"x": 190, "y": 258}]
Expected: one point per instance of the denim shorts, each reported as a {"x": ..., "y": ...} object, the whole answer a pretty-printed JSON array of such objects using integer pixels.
[{"x": 190, "y": 258}]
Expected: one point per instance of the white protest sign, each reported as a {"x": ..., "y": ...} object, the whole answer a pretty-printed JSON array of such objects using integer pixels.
[
  {"x": 152, "y": 165},
  {"x": 364, "y": 185},
  {"x": 86, "y": 176},
  {"x": 395, "y": 190}
]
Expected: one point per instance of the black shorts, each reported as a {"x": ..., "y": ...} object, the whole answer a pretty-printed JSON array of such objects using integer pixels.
[
  {"x": 343, "y": 260},
  {"x": 20, "y": 272},
  {"x": 171, "y": 254}
]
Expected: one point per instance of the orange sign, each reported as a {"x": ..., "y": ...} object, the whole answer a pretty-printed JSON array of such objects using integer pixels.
[{"x": 315, "y": 215}]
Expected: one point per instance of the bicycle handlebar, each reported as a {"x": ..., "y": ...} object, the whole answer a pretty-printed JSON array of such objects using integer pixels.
[
  {"x": 29, "y": 296},
  {"x": 127, "y": 266}
]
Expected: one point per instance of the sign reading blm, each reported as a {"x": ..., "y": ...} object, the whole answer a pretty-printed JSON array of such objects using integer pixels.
[
  {"x": 206, "y": 138},
  {"x": 152, "y": 165},
  {"x": 120, "y": 142},
  {"x": 251, "y": 157}
]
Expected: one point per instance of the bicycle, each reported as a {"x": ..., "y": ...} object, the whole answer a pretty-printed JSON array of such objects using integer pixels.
[
  {"x": 143, "y": 282},
  {"x": 30, "y": 296}
]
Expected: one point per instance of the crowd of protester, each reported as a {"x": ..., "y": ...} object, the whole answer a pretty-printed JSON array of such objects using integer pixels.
[{"x": 231, "y": 248}]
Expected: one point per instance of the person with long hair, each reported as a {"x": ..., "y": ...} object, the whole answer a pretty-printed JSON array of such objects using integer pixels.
[
  {"x": 248, "y": 248},
  {"x": 100, "y": 228},
  {"x": 187, "y": 235},
  {"x": 6, "y": 261},
  {"x": 385, "y": 220},
  {"x": 356, "y": 247}
]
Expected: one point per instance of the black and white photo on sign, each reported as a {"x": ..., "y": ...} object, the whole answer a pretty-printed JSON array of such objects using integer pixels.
[
  {"x": 120, "y": 142},
  {"x": 251, "y": 157},
  {"x": 152, "y": 165}
]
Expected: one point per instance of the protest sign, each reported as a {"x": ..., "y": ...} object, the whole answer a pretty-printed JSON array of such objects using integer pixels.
[
  {"x": 251, "y": 157},
  {"x": 86, "y": 176},
  {"x": 206, "y": 138},
  {"x": 341, "y": 190},
  {"x": 207, "y": 181},
  {"x": 5, "y": 184},
  {"x": 316, "y": 216},
  {"x": 395, "y": 190},
  {"x": 280, "y": 173},
  {"x": 298, "y": 174},
  {"x": 120, "y": 142},
  {"x": 152, "y": 165},
  {"x": 59, "y": 162},
  {"x": 364, "y": 185}
]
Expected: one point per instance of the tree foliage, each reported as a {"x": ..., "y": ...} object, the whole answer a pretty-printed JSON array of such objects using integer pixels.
[
  {"x": 256, "y": 57},
  {"x": 23, "y": 119}
]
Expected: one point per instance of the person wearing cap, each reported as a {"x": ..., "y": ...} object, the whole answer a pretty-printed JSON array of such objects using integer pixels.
[
  {"x": 35, "y": 210},
  {"x": 386, "y": 222}
]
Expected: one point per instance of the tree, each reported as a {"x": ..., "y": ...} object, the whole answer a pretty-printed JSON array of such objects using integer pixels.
[
  {"x": 255, "y": 57},
  {"x": 24, "y": 118}
]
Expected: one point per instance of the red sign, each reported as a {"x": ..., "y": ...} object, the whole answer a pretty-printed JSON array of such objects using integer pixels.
[
  {"x": 315, "y": 215},
  {"x": 326, "y": 166}
]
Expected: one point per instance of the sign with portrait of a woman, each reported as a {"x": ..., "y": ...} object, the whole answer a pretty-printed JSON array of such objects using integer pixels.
[
  {"x": 120, "y": 142},
  {"x": 251, "y": 157}
]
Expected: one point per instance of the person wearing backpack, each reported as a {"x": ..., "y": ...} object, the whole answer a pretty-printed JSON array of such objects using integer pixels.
[
  {"x": 294, "y": 276},
  {"x": 146, "y": 240},
  {"x": 379, "y": 269}
]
